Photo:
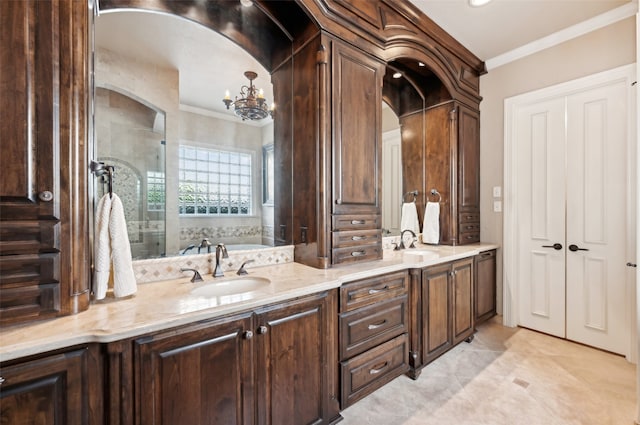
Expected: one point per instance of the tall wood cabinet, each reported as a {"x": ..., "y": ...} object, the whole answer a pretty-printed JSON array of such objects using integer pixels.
[
  {"x": 452, "y": 167},
  {"x": 44, "y": 261},
  {"x": 336, "y": 154}
]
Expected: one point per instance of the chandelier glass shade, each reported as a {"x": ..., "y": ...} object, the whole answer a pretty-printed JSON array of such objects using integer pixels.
[{"x": 251, "y": 105}]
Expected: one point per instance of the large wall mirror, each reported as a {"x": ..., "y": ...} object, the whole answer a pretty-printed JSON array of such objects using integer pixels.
[
  {"x": 174, "y": 73},
  {"x": 186, "y": 168}
]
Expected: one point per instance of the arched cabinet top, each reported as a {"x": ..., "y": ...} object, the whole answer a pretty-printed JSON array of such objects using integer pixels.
[{"x": 391, "y": 29}]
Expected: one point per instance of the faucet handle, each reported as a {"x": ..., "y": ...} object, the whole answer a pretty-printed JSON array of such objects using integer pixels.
[
  {"x": 196, "y": 274},
  {"x": 241, "y": 271}
]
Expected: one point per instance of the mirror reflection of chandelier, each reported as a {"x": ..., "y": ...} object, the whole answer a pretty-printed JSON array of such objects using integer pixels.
[{"x": 251, "y": 105}]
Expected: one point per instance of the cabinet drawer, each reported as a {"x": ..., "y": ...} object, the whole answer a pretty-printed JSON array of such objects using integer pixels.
[
  {"x": 471, "y": 237},
  {"x": 365, "y": 292},
  {"x": 356, "y": 222},
  {"x": 356, "y": 238},
  {"x": 367, "y": 327},
  {"x": 369, "y": 371},
  {"x": 357, "y": 253},
  {"x": 469, "y": 217},
  {"x": 469, "y": 227}
]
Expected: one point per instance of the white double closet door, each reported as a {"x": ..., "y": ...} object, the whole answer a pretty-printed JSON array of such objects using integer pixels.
[{"x": 572, "y": 200}]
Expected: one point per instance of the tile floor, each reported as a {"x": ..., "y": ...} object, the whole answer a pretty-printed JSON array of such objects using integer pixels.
[{"x": 508, "y": 376}]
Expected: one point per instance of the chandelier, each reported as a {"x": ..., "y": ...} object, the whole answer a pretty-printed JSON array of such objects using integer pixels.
[{"x": 251, "y": 105}]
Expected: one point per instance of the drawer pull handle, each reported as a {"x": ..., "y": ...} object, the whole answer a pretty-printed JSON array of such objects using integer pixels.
[
  {"x": 469, "y": 217},
  {"x": 358, "y": 238},
  {"x": 375, "y": 371},
  {"x": 377, "y": 291},
  {"x": 358, "y": 253},
  {"x": 377, "y": 325},
  {"x": 357, "y": 221}
]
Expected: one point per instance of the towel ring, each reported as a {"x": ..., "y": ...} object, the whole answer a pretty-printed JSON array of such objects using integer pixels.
[
  {"x": 435, "y": 192},
  {"x": 413, "y": 192}
]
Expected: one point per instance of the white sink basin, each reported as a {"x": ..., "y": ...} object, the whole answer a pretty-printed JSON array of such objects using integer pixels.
[
  {"x": 426, "y": 254},
  {"x": 239, "y": 285}
]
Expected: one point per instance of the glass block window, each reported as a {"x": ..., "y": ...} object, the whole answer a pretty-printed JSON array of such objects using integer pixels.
[
  {"x": 214, "y": 182},
  {"x": 155, "y": 191}
]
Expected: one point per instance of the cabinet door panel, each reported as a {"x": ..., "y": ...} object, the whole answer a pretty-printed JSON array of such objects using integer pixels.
[
  {"x": 436, "y": 312},
  {"x": 293, "y": 343},
  {"x": 469, "y": 158},
  {"x": 357, "y": 94},
  {"x": 462, "y": 299},
  {"x": 48, "y": 391},
  {"x": 485, "y": 286},
  {"x": 199, "y": 375}
]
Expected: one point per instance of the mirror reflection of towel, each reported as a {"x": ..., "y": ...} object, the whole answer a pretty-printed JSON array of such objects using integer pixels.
[
  {"x": 112, "y": 252},
  {"x": 431, "y": 225},
  {"x": 409, "y": 217}
]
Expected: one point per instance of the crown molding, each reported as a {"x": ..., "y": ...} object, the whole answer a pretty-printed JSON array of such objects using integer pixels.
[{"x": 626, "y": 11}]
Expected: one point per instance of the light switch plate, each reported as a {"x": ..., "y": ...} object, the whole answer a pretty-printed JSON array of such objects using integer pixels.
[
  {"x": 497, "y": 191},
  {"x": 497, "y": 206}
]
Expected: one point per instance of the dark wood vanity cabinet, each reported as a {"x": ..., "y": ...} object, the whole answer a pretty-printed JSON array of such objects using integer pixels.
[
  {"x": 485, "y": 286},
  {"x": 452, "y": 149},
  {"x": 442, "y": 298},
  {"x": 373, "y": 341},
  {"x": 276, "y": 365},
  {"x": 51, "y": 389},
  {"x": 44, "y": 255}
]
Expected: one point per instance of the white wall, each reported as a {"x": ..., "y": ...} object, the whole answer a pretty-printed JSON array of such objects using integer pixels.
[{"x": 606, "y": 48}]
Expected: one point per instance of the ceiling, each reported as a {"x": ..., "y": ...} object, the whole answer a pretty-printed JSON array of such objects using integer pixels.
[
  {"x": 209, "y": 64},
  {"x": 503, "y": 25}
]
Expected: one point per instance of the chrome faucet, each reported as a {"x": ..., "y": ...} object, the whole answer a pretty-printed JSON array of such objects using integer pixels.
[
  {"x": 205, "y": 244},
  {"x": 220, "y": 250},
  {"x": 187, "y": 249},
  {"x": 401, "y": 246}
]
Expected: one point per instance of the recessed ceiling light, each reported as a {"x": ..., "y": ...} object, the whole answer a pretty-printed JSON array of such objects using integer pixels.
[
  {"x": 478, "y": 3},
  {"x": 421, "y": 64},
  {"x": 246, "y": 3},
  {"x": 397, "y": 75}
]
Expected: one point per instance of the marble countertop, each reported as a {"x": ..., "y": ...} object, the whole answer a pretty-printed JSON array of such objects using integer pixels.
[{"x": 166, "y": 304}]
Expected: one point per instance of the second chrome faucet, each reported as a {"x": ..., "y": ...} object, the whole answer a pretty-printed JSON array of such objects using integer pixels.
[{"x": 221, "y": 252}]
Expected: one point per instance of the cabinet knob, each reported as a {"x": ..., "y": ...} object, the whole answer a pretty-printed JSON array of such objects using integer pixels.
[
  {"x": 247, "y": 335},
  {"x": 45, "y": 196},
  {"x": 262, "y": 330},
  {"x": 2, "y": 380}
]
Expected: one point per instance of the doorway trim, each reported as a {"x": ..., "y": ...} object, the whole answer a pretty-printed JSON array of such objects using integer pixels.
[{"x": 625, "y": 73}]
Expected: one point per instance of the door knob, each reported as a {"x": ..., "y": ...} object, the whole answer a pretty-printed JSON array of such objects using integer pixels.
[
  {"x": 575, "y": 248},
  {"x": 556, "y": 246}
]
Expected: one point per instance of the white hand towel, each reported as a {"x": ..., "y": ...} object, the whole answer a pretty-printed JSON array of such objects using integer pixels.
[
  {"x": 112, "y": 248},
  {"x": 409, "y": 217},
  {"x": 102, "y": 249},
  {"x": 124, "y": 280},
  {"x": 431, "y": 225}
]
